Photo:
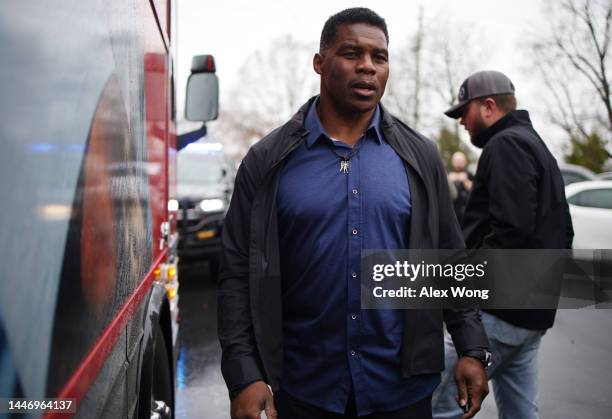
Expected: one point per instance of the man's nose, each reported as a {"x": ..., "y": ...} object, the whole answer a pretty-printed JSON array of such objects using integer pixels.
[{"x": 366, "y": 64}]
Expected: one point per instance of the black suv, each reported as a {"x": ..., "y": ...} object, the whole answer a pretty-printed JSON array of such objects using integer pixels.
[{"x": 205, "y": 178}]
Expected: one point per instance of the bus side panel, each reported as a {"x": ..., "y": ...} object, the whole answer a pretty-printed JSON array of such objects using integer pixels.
[
  {"x": 115, "y": 391},
  {"x": 90, "y": 157},
  {"x": 121, "y": 396},
  {"x": 114, "y": 231},
  {"x": 57, "y": 59},
  {"x": 162, "y": 10},
  {"x": 157, "y": 102},
  {"x": 107, "y": 397},
  {"x": 135, "y": 347},
  {"x": 156, "y": 110}
]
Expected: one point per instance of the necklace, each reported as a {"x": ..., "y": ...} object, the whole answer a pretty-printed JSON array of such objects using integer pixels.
[
  {"x": 344, "y": 165},
  {"x": 346, "y": 158}
]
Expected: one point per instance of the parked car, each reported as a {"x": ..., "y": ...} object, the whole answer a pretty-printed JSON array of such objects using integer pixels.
[
  {"x": 590, "y": 205},
  {"x": 605, "y": 176},
  {"x": 205, "y": 177},
  {"x": 591, "y": 209},
  {"x": 573, "y": 173}
]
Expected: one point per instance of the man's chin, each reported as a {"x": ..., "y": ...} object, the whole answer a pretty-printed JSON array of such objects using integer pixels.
[
  {"x": 475, "y": 133},
  {"x": 363, "y": 105},
  {"x": 352, "y": 104}
]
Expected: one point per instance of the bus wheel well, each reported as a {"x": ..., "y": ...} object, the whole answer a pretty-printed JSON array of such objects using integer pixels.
[{"x": 157, "y": 366}]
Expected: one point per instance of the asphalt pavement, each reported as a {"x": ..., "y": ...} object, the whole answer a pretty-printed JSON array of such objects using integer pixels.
[
  {"x": 575, "y": 359},
  {"x": 201, "y": 391}
]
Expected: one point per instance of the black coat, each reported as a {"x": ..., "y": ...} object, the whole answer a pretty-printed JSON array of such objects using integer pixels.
[
  {"x": 517, "y": 201},
  {"x": 249, "y": 296}
]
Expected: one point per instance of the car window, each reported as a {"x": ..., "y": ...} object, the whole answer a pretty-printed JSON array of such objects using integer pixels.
[
  {"x": 570, "y": 177},
  {"x": 574, "y": 199},
  {"x": 199, "y": 169},
  {"x": 596, "y": 198}
]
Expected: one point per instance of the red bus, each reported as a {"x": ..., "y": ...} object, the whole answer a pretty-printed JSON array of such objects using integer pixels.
[{"x": 88, "y": 307}]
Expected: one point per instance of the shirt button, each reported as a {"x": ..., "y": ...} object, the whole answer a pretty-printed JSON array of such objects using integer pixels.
[
  {"x": 353, "y": 316},
  {"x": 354, "y": 274},
  {"x": 353, "y": 353},
  {"x": 354, "y": 232},
  {"x": 355, "y": 191}
]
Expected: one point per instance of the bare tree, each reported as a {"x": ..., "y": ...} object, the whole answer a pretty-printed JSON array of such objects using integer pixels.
[
  {"x": 272, "y": 84},
  {"x": 457, "y": 51},
  {"x": 426, "y": 71},
  {"x": 404, "y": 90},
  {"x": 418, "y": 47},
  {"x": 573, "y": 60}
]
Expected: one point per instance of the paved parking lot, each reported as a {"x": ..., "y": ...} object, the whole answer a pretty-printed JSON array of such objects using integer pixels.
[{"x": 575, "y": 359}]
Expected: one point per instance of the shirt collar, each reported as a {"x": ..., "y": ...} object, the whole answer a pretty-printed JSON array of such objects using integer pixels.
[{"x": 316, "y": 130}]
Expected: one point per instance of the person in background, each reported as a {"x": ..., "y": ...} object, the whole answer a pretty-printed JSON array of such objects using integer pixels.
[
  {"x": 461, "y": 180},
  {"x": 517, "y": 202}
]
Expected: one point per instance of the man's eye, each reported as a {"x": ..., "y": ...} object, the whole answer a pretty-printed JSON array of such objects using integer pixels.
[
  {"x": 349, "y": 54},
  {"x": 381, "y": 58}
]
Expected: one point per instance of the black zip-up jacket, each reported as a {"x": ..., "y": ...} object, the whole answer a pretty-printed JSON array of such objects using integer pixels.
[
  {"x": 249, "y": 296},
  {"x": 517, "y": 201}
]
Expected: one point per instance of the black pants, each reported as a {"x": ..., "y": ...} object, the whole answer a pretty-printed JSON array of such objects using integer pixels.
[{"x": 291, "y": 408}]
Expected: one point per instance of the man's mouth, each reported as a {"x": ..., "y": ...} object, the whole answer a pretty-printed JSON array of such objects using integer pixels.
[{"x": 364, "y": 88}]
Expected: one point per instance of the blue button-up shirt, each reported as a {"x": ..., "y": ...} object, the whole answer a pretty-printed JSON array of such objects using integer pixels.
[{"x": 326, "y": 217}]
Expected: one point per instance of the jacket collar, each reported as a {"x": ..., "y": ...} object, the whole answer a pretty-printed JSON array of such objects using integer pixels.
[
  {"x": 290, "y": 135},
  {"x": 315, "y": 128},
  {"x": 293, "y": 133},
  {"x": 296, "y": 123},
  {"x": 519, "y": 117},
  {"x": 404, "y": 147}
]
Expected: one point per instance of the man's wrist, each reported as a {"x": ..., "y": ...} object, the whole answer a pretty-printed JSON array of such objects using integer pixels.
[
  {"x": 482, "y": 355},
  {"x": 236, "y": 390}
]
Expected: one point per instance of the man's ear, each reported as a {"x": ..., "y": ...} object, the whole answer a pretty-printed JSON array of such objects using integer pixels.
[
  {"x": 317, "y": 63},
  {"x": 490, "y": 105}
]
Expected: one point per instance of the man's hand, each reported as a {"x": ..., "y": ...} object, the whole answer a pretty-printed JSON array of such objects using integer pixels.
[
  {"x": 472, "y": 385},
  {"x": 254, "y": 398}
]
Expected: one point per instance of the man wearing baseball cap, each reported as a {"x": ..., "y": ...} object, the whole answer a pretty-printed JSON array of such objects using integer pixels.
[{"x": 517, "y": 202}]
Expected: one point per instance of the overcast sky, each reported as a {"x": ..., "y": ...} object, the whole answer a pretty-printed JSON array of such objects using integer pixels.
[{"x": 231, "y": 30}]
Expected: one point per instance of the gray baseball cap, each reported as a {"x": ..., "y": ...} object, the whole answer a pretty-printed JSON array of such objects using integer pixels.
[{"x": 479, "y": 85}]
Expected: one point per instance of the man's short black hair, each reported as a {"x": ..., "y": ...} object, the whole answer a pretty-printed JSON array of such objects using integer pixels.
[{"x": 349, "y": 17}]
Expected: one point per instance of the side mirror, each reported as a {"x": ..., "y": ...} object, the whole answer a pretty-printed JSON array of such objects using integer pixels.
[{"x": 202, "y": 103}]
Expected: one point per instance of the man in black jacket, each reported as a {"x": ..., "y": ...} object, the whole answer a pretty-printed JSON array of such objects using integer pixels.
[
  {"x": 341, "y": 176},
  {"x": 517, "y": 202}
]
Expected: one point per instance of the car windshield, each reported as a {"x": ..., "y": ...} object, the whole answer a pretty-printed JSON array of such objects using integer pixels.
[{"x": 201, "y": 169}]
